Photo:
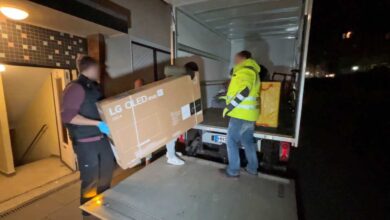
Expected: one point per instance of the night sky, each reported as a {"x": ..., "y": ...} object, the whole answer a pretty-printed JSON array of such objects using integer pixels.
[{"x": 369, "y": 20}]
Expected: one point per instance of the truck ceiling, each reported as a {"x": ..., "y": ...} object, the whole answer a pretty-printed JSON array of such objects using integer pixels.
[{"x": 246, "y": 19}]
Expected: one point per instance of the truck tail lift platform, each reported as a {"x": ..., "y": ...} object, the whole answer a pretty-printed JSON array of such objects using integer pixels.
[{"x": 195, "y": 191}]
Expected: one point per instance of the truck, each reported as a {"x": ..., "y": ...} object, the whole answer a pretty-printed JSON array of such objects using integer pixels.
[
  {"x": 210, "y": 32},
  {"x": 277, "y": 34}
]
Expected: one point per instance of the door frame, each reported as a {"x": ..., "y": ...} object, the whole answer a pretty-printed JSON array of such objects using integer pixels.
[
  {"x": 6, "y": 156},
  {"x": 60, "y": 78}
]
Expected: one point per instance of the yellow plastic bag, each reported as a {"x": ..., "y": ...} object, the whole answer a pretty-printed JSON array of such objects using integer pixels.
[{"x": 269, "y": 104}]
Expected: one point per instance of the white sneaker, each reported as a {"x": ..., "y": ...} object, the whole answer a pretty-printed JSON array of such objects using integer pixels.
[
  {"x": 175, "y": 161},
  {"x": 177, "y": 153}
]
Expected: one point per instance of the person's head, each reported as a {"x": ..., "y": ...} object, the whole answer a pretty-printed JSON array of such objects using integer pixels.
[
  {"x": 138, "y": 83},
  {"x": 191, "y": 68},
  {"x": 89, "y": 67},
  {"x": 242, "y": 56}
]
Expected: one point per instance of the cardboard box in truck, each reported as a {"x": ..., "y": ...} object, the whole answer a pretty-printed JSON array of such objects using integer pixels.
[
  {"x": 269, "y": 104},
  {"x": 145, "y": 119}
]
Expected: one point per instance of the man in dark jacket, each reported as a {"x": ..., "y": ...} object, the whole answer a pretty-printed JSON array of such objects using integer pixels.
[{"x": 89, "y": 134}]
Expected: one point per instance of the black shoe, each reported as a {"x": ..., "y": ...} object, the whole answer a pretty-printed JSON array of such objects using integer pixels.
[
  {"x": 225, "y": 174},
  {"x": 86, "y": 214},
  {"x": 90, "y": 217},
  {"x": 250, "y": 173}
]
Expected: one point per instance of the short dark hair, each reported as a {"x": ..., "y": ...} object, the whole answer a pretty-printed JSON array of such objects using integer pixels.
[
  {"x": 84, "y": 62},
  {"x": 191, "y": 66},
  {"x": 245, "y": 54}
]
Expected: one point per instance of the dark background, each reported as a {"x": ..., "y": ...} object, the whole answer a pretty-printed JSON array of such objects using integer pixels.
[
  {"x": 368, "y": 20},
  {"x": 342, "y": 163}
]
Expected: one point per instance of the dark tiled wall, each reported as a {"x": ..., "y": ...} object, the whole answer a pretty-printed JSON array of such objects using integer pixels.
[{"x": 26, "y": 44}]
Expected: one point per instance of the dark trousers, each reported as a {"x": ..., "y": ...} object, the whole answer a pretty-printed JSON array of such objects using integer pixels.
[{"x": 96, "y": 164}]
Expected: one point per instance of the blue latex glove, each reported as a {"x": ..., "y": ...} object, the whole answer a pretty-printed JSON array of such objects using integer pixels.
[{"x": 103, "y": 128}]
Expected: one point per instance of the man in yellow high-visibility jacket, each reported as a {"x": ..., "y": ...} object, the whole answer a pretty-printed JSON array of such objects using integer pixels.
[{"x": 242, "y": 106}]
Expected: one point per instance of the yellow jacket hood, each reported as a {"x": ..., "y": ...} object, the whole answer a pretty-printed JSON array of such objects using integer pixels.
[{"x": 248, "y": 62}]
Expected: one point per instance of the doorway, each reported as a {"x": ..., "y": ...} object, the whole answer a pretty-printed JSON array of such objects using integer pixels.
[{"x": 34, "y": 143}]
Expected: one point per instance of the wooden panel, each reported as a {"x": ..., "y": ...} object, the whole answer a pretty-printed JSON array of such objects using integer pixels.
[
  {"x": 101, "y": 12},
  {"x": 66, "y": 149},
  {"x": 97, "y": 50},
  {"x": 6, "y": 157}
]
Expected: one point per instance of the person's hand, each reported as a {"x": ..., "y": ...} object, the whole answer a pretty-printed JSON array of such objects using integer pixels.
[
  {"x": 103, "y": 128},
  {"x": 225, "y": 111},
  {"x": 222, "y": 97}
]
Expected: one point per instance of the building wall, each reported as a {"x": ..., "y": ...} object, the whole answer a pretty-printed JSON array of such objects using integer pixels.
[
  {"x": 20, "y": 86},
  {"x": 26, "y": 44},
  {"x": 150, "y": 20},
  {"x": 125, "y": 61},
  {"x": 40, "y": 111}
]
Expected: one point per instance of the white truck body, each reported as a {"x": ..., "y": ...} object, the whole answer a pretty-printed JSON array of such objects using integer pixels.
[{"x": 276, "y": 32}]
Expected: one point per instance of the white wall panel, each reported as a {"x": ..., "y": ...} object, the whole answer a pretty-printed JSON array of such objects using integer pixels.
[
  {"x": 192, "y": 34},
  {"x": 278, "y": 55}
]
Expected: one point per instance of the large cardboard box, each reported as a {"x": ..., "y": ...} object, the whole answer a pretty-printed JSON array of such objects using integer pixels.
[
  {"x": 145, "y": 119},
  {"x": 269, "y": 107}
]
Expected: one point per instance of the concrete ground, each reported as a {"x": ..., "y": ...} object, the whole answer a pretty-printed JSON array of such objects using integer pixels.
[
  {"x": 62, "y": 204},
  {"x": 342, "y": 162},
  {"x": 31, "y": 176}
]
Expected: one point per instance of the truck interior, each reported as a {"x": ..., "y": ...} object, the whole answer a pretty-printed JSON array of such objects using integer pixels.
[{"x": 271, "y": 30}]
